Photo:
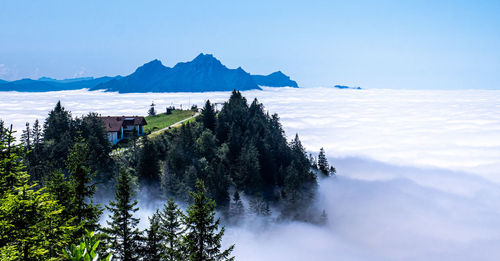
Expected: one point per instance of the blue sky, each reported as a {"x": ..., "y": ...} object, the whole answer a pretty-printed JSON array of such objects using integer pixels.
[{"x": 372, "y": 44}]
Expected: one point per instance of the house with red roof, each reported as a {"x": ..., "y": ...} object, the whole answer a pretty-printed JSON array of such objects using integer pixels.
[{"x": 123, "y": 127}]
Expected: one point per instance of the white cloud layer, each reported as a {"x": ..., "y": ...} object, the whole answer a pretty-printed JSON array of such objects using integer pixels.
[{"x": 418, "y": 170}]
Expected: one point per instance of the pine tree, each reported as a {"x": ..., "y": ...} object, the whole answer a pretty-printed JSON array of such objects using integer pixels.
[
  {"x": 11, "y": 167},
  {"x": 153, "y": 249},
  {"x": 203, "y": 238},
  {"x": 232, "y": 116},
  {"x": 323, "y": 218},
  {"x": 31, "y": 227},
  {"x": 26, "y": 138},
  {"x": 58, "y": 122},
  {"x": 332, "y": 171},
  {"x": 208, "y": 117},
  {"x": 323, "y": 163},
  {"x": 86, "y": 212},
  {"x": 61, "y": 188},
  {"x": 122, "y": 231},
  {"x": 148, "y": 168},
  {"x": 36, "y": 165},
  {"x": 171, "y": 229},
  {"x": 314, "y": 163},
  {"x": 57, "y": 136},
  {"x": 236, "y": 209},
  {"x": 259, "y": 206},
  {"x": 151, "y": 111},
  {"x": 93, "y": 131},
  {"x": 31, "y": 224},
  {"x": 248, "y": 172},
  {"x": 36, "y": 133}
]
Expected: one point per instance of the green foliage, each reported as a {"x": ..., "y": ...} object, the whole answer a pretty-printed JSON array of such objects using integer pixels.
[
  {"x": 34, "y": 157},
  {"x": 242, "y": 149},
  {"x": 87, "y": 250},
  {"x": 203, "y": 238},
  {"x": 153, "y": 249},
  {"x": 31, "y": 223},
  {"x": 58, "y": 133},
  {"x": 247, "y": 150},
  {"x": 26, "y": 138},
  {"x": 11, "y": 166},
  {"x": 122, "y": 226},
  {"x": 83, "y": 189},
  {"x": 92, "y": 131},
  {"x": 208, "y": 117},
  {"x": 62, "y": 189},
  {"x": 48, "y": 150},
  {"x": 148, "y": 168},
  {"x": 9, "y": 253},
  {"x": 171, "y": 230}
]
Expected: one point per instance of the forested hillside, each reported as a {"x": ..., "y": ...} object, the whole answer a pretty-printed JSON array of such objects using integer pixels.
[
  {"x": 57, "y": 181},
  {"x": 239, "y": 150}
]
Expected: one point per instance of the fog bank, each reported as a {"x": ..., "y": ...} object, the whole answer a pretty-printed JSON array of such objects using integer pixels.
[{"x": 394, "y": 218}]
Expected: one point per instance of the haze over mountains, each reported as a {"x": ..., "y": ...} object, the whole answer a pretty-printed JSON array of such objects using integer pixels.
[{"x": 204, "y": 73}]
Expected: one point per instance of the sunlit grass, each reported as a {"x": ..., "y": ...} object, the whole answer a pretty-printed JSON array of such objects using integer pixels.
[{"x": 163, "y": 120}]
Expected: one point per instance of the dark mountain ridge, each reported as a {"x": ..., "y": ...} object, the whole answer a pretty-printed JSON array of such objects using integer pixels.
[
  {"x": 275, "y": 79},
  {"x": 203, "y": 74}
]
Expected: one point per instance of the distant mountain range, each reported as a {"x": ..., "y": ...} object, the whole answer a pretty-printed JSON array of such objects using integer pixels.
[
  {"x": 346, "y": 87},
  {"x": 204, "y": 73}
]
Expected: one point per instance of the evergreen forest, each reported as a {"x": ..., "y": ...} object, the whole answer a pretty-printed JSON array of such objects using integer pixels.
[{"x": 63, "y": 174}]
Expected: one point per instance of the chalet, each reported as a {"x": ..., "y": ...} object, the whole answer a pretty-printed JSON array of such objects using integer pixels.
[{"x": 123, "y": 127}]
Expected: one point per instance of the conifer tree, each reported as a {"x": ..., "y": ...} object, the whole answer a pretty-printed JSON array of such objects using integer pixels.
[
  {"x": 203, "y": 238},
  {"x": 323, "y": 163},
  {"x": 148, "y": 168},
  {"x": 248, "y": 172},
  {"x": 11, "y": 167},
  {"x": 312, "y": 160},
  {"x": 61, "y": 188},
  {"x": 93, "y": 131},
  {"x": 57, "y": 136},
  {"x": 208, "y": 117},
  {"x": 171, "y": 230},
  {"x": 259, "y": 206},
  {"x": 232, "y": 116},
  {"x": 84, "y": 210},
  {"x": 236, "y": 209},
  {"x": 31, "y": 227},
  {"x": 31, "y": 224},
  {"x": 332, "y": 171},
  {"x": 58, "y": 122},
  {"x": 26, "y": 138},
  {"x": 323, "y": 218},
  {"x": 36, "y": 133},
  {"x": 122, "y": 231},
  {"x": 151, "y": 111},
  {"x": 153, "y": 249},
  {"x": 36, "y": 165}
]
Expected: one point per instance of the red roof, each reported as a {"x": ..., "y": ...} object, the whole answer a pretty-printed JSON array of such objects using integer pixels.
[{"x": 114, "y": 123}]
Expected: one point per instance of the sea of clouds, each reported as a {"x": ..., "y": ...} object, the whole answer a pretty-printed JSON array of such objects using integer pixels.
[{"x": 418, "y": 171}]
